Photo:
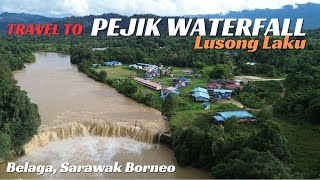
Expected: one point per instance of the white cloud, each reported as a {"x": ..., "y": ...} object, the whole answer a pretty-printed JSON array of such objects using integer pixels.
[{"x": 129, "y": 7}]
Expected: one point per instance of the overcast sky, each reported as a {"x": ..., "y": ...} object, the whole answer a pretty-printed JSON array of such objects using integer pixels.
[{"x": 129, "y": 7}]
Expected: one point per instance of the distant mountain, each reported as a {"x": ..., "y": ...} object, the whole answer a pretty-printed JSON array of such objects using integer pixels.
[
  {"x": 310, "y": 12},
  {"x": 22, "y": 18}
]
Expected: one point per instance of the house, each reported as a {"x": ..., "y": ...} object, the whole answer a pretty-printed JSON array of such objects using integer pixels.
[
  {"x": 201, "y": 97},
  {"x": 222, "y": 91},
  {"x": 151, "y": 68},
  {"x": 148, "y": 67},
  {"x": 211, "y": 86},
  {"x": 112, "y": 63},
  {"x": 134, "y": 66},
  {"x": 199, "y": 89},
  {"x": 227, "y": 84},
  {"x": 187, "y": 71},
  {"x": 149, "y": 84},
  {"x": 170, "y": 90},
  {"x": 232, "y": 86},
  {"x": 147, "y": 76},
  {"x": 200, "y": 94},
  {"x": 181, "y": 82},
  {"x": 185, "y": 80},
  {"x": 242, "y": 116}
]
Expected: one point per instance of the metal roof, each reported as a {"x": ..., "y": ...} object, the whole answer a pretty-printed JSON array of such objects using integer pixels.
[
  {"x": 199, "y": 89},
  {"x": 201, "y": 94},
  {"x": 184, "y": 79},
  {"x": 238, "y": 114},
  {"x": 218, "y": 118},
  {"x": 222, "y": 91}
]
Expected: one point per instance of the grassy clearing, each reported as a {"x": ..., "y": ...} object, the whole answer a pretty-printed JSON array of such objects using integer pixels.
[
  {"x": 199, "y": 117},
  {"x": 304, "y": 143},
  {"x": 117, "y": 71}
]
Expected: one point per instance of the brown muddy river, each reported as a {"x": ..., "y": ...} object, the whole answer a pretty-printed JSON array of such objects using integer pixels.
[{"x": 88, "y": 123}]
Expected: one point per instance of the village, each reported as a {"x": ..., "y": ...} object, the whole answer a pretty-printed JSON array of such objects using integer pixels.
[{"x": 202, "y": 93}]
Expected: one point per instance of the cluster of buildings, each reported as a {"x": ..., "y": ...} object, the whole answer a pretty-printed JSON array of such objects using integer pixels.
[
  {"x": 146, "y": 67},
  {"x": 108, "y": 63},
  {"x": 217, "y": 89},
  {"x": 178, "y": 83},
  {"x": 181, "y": 82}
]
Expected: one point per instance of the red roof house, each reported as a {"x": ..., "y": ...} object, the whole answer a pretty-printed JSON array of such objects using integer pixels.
[
  {"x": 213, "y": 85},
  {"x": 232, "y": 86}
]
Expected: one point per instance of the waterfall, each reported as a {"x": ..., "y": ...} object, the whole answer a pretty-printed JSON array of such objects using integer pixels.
[
  {"x": 74, "y": 129},
  {"x": 159, "y": 138}
]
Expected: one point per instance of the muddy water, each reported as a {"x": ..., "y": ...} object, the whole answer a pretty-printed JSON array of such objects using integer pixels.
[{"x": 67, "y": 98}]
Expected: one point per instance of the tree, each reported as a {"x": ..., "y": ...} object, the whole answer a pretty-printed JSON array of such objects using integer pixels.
[
  {"x": 270, "y": 139},
  {"x": 250, "y": 164},
  {"x": 313, "y": 111},
  {"x": 5, "y": 145},
  {"x": 169, "y": 105},
  {"x": 79, "y": 54},
  {"x": 220, "y": 71},
  {"x": 102, "y": 76},
  {"x": 127, "y": 87},
  {"x": 264, "y": 115},
  {"x": 19, "y": 118}
]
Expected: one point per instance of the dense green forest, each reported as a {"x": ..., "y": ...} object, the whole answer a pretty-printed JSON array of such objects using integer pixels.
[
  {"x": 19, "y": 118},
  {"x": 232, "y": 150}
]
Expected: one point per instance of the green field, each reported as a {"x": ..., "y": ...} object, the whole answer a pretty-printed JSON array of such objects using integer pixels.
[
  {"x": 304, "y": 144},
  {"x": 117, "y": 71}
]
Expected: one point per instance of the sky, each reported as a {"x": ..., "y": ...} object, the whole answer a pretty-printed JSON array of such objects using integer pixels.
[{"x": 61, "y": 8}]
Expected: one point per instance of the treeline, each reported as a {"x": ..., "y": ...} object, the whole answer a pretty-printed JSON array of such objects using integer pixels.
[
  {"x": 302, "y": 97},
  {"x": 154, "y": 50},
  {"x": 19, "y": 118},
  {"x": 128, "y": 87},
  {"x": 231, "y": 151},
  {"x": 274, "y": 63}
]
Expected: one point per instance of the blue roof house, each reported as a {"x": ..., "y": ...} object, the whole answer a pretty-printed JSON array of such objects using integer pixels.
[
  {"x": 184, "y": 79},
  {"x": 222, "y": 91},
  {"x": 201, "y": 97},
  {"x": 242, "y": 116},
  {"x": 164, "y": 95},
  {"x": 147, "y": 76},
  {"x": 113, "y": 63},
  {"x": 200, "y": 94},
  {"x": 199, "y": 89}
]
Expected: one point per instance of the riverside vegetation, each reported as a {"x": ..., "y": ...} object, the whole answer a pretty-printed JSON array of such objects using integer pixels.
[
  {"x": 273, "y": 147},
  {"x": 19, "y": 118}
]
